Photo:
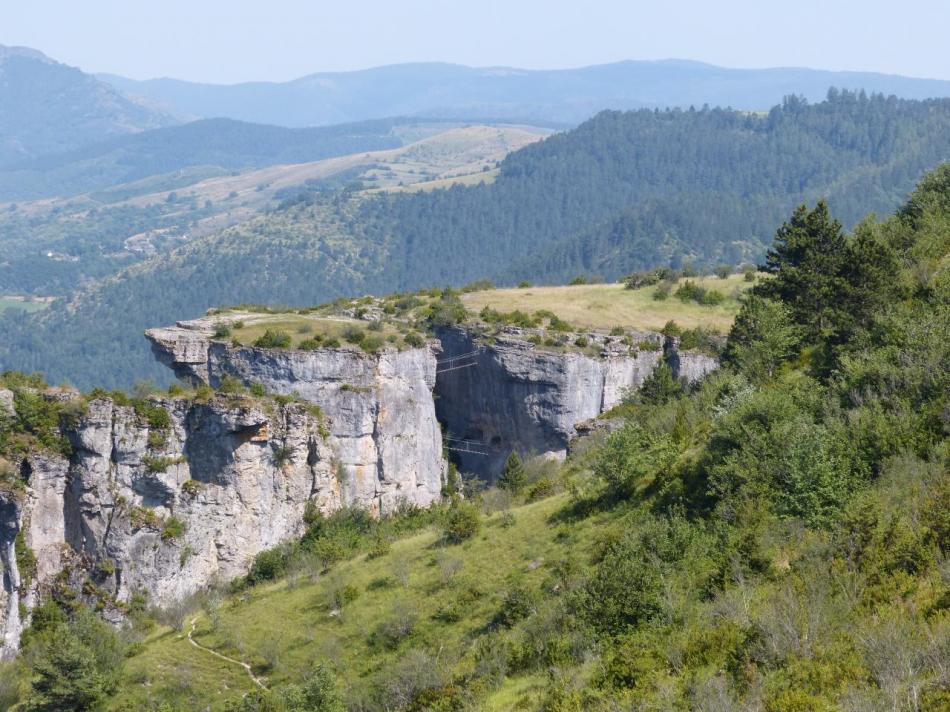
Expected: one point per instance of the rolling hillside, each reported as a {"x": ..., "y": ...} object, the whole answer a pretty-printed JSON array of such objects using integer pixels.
[
  {"x": 50, "y": 246},
  {"x": 620, "y": 193},
  {"x": 221, "y": 145},
  {"x": 775, "y": 538},
  {"x": 569, "y": 95},
  {"x": 48, "y": 107}
]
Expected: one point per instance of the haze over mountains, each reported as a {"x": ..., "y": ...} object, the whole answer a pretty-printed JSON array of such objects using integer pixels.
[
  {"x": 131, "y": 215},
  {"x": 48, "y": 107},
  {"x": 565, "y": 96}
]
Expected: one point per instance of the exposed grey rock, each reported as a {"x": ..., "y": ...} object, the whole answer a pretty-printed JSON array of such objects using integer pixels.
[
  {"x": 379, "y": 407},
  {"x": 233, "y": 477},
  {"x": 518, "y": 397},
  {"x": 6, "y": 403}
]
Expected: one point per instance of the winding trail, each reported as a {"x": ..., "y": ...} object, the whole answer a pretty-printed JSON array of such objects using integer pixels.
[{"x": 256, "y": 680}]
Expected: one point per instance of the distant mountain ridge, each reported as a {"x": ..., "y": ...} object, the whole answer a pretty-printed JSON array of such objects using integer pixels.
[
  {"x": 562, "y": 95},
  {"x": 49, "y": 107}
]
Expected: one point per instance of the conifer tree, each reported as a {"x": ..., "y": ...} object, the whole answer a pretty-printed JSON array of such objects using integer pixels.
[
  {"x": 807, "y": 261},
  {"x": 513, "y": 478}
]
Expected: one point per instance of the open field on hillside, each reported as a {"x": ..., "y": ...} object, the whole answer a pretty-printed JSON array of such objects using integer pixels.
[
  {"x": 296, "y": 623},
  {"x": 25, "y": 303},
  {"x": 301, "y": 327},
  {"x": 603, "y": 306}
]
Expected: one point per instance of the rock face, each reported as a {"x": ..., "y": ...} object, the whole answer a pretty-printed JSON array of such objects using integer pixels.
[
  {"x": 163, "y": 511},
  {"x": 379, "y": 407},
  {"x": 184, "y": 491},
  {"x": 510, "y": 395}
]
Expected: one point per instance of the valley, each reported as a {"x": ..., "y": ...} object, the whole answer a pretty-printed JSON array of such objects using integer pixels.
[{"x": 443, "y": 388}]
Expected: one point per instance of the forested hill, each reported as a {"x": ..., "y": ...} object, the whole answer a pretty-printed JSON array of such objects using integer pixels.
[
  {"x": 220, "y": 143},
  {"x": 623, "y": 191},
  {"x": 630, "y": 190}
]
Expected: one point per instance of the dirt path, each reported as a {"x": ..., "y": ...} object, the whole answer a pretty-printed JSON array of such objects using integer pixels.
[{"x": 256, "y": 680}]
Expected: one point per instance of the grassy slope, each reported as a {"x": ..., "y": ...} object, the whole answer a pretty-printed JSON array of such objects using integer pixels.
[
  {"x": 602, "y": 306},
  {"x": 418, "y": 574}
]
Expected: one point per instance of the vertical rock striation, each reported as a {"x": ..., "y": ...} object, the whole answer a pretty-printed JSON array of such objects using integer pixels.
[
  {"x": 518, "y": 397},
  {"x": 379, "y": 407}
]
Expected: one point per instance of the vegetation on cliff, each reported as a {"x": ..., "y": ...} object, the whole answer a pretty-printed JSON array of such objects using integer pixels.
[{"x": 775, "y": 539}]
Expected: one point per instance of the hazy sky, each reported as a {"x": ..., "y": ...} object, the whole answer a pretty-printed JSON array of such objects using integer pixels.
[{"x": 236, "y": 40}]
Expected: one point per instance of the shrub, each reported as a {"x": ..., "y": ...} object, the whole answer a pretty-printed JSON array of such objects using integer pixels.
[
  {"x": 661, "y": 293},
  {"x": 191, "y": 487},
  {"x": 371, "y": 344},
  {"x": 283, "y": 455},
  {"x": 660, "y": 387},
  {"x": 582, "y": 342},
  {"x": 273, "y": 339},
  {"x": 415, "y": 340},
  {"x": 161, "y": 464},
  {"x": 462, "y": 521},
  {"x": 221, "y": 331},
  {"x": 623, "y": 591},
  {"x": 541, "y": 489},
  {"x": 632, "y": 456},
  {"x": 480, "y": 285},
  {"x": 173, "y": 528},
  {"x": 311, "y": 344},
  {"x": 353, "y": 334},
  {"x": 518, "y": 604},
  {"x": 723, "y": 271},
  {"x": 269, "y": 565},
  {"x": 230, "y": 385}
]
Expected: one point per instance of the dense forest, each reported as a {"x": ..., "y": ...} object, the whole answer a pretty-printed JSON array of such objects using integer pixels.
[
  {"x": 776, "y": 538},
  {"x": 623, "y": 191}
]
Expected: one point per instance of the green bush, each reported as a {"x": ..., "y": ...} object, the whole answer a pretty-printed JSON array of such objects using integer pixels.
[
  {"x": 462, "y": 521},
  {"x": 415, "y": 340},
  {"x": 269, "y": 565},
  {"x": 632, "y": 456},
  {"x": 273, "y": 339},
  {"x": 173, "y": 528},
  {"x": 518, "y": 604},
  {"x": 623, "y": 591}
]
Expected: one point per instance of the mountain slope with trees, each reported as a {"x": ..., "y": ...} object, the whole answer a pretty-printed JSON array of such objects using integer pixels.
[
  {"x": 48, "y": 107},
  {"x": 222, "y": 144},
  {"x": 622, "y": 192},
  {"x": 775, "y": 538}
]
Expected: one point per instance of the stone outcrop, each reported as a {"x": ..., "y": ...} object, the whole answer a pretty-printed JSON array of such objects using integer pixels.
[
  {"x": 188, "y": 490},
  {"x": 379, "y": 407},
  {"x": 514, "y": 396},
  {"x": 163, "y": 511}
]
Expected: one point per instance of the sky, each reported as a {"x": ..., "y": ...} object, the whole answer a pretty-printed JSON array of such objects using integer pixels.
[{"x": 227, "y": 41}]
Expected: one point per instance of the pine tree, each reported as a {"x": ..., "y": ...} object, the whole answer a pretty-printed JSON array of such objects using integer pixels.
[
  {"x": 513, "y": 478},
  {"x": 807, "y": 261}
]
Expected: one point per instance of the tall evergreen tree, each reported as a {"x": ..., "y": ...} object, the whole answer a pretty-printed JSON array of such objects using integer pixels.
[
  {"x": 807, "y": 260},
  {"x": 513, "y": 478}
]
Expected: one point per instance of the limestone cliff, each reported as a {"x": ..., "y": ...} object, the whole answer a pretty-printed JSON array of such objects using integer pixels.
[
  {"x": 512, "y": 395},
  {"x": 379, "y": 407},
  {"x": 166, "y": 510}
]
